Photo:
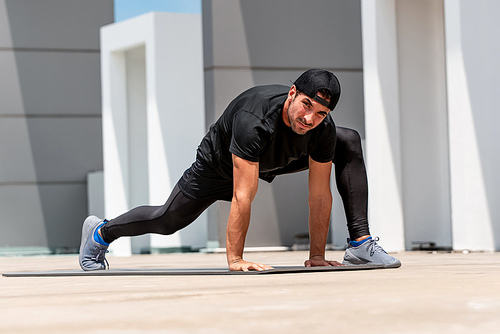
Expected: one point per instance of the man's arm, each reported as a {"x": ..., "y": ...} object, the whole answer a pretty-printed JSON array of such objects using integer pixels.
[
  {"x": 320, "y": 205},
  {"x": 246, "y": 181}
]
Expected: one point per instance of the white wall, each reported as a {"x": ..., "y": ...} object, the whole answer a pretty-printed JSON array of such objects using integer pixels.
[
  {"x": 473, "y": 51},
  {"x": 431, "y": 81}
]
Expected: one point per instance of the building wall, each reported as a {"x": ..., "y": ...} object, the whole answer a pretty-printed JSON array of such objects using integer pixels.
[
  {"x": 431, "y": 81},
  {"x": 50, "y": 118},
  {"x": 442, "y": 153},
  {"x": 472, "y": 53},
  {"x": 249, "y": 43}
]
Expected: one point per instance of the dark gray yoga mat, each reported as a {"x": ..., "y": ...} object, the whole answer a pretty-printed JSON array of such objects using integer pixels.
[{"x": 188, "y": 271}]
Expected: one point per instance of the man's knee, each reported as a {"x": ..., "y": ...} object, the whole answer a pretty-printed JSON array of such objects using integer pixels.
[
  {"x": 176, "y": 220},
  {"x": 174, "y": 225},
  {"x": 349, "y": 139}
]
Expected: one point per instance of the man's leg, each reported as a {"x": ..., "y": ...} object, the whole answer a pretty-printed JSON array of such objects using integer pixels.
[
  {"x": 178, "y": 212},
  {"x": 352, "y": 184}
]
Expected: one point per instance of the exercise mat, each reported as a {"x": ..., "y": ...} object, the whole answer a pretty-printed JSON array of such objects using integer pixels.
[{"x": 188, "y": 271}]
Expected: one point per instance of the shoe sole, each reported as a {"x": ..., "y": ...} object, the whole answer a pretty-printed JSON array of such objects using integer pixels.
[
  {"x": 361, "y": 262},
  {"x": 396, "y": 264}
]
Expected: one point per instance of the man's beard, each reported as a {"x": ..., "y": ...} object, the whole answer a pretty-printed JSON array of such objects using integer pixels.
[{"x": 293, "y": 124}]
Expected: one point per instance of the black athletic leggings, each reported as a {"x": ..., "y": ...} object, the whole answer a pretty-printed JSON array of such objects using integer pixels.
[
  {"x": 352, "y": 183},
  {"x": 180, "y": 210}
]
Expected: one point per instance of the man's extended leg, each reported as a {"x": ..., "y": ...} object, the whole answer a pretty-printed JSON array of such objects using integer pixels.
[
  {"x": 352, "y": 184},
  {"x": 178, "y": 212}
]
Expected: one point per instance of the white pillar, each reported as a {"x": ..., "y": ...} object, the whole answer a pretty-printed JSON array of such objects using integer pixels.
[
  {"x": 172, "y": 122},
  {"x": 472, "y": 54},
  {"x": 423, "y": 122},
  {"x": 382, "y": 124}
]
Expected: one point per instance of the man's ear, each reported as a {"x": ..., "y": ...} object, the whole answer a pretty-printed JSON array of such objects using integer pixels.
[{"x": 292, "y": 92}]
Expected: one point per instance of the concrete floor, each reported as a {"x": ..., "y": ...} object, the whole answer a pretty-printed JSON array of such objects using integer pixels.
[{"x": 430, "y": 293}]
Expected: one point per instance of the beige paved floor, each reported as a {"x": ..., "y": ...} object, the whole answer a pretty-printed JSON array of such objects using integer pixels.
[{"x": 430, "y": 293}]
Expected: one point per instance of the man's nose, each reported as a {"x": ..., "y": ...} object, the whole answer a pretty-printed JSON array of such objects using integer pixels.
[{"x": 309, "y": 117}]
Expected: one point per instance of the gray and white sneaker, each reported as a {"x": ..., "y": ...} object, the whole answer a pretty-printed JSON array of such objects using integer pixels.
[
  {"x": 369, "y": 252},
  {"x": 92, "y": 253}
]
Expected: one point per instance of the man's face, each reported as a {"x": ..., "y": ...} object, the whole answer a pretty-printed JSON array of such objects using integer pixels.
[{"x": 304, "y": 113}]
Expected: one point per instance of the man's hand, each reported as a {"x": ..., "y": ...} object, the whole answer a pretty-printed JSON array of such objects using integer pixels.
[
  {"x": 243, "y": 265},
  {"x": 320, "y": 262}
]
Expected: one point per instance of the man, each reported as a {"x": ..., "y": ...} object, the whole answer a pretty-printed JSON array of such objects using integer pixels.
[{"x": 266, "y": 131}]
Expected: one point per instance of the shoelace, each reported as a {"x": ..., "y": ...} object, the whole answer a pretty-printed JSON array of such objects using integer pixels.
[
  {"x": 374, "y": 247},
  {"x": 101, "y": 258}
]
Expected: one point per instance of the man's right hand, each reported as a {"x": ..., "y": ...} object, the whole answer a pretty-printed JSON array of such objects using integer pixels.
[
  {"x": 243, "y": 265},
  {"x": 321, "y": 262}
]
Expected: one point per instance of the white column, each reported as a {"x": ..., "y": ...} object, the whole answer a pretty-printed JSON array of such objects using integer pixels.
[
  {"x": 382, "y": 124},
  {"x": 115, "y": 132},
  {"x": 173, "y": 112},
  {"x": 176, "y": 114},
  {"x": 423, "y": 122},
  {"x": 472, "y": 54}
]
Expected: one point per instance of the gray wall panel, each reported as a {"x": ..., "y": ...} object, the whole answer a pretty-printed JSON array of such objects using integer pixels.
[
  {"x": 228, "y": 83},
  {"x": 274, "y": 220},
  {"x": 315, "y": 33},
  {"x": 53, "y": 24},
  {"x": 49, "y": 149},
  {"x": 11, "y": 97},
  {"x": 207, "y": 26},
  {"x": 5, "y": 38},
  {"x": 50, "y": 124},
  {"x": 50, "y": 83},
  {"x": 350, "y": 109},
  {"x": 46, "y": 215},
  {"x": 15, "y": 152},
  {"x": 22, "y": 223}
]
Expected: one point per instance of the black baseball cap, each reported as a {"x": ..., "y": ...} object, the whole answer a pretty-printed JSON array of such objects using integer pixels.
[{"x": 313, "y": 80}]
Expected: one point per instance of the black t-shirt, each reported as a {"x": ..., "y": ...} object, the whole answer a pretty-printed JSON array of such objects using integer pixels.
[{"x": 252, "y": 128}]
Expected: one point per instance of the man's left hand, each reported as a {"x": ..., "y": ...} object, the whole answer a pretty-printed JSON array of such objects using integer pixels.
[{"x": 321, "y": 263}]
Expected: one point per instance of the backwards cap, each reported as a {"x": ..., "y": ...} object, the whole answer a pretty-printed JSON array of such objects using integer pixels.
[{"x": 313, "y": 80}]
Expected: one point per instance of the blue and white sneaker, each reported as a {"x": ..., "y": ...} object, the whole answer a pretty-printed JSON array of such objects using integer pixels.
[
  {"x": 369, "y": 252},
  {"x": 92, "y": 253}
]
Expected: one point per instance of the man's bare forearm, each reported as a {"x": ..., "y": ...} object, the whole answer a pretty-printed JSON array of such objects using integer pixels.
[
  {"x": 319, "y": 223},
  {"x": 246, "y": 182},
  {"x": 237, "y": 227}
]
